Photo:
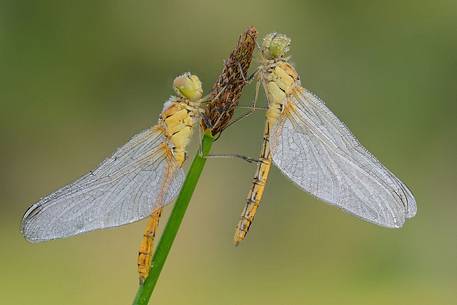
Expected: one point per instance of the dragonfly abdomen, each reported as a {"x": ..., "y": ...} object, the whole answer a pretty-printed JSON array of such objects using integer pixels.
[
  {"x": 176, "y": 122},
  {"x": 280, "y": 83},
  {"x": 256, "y": 192}
]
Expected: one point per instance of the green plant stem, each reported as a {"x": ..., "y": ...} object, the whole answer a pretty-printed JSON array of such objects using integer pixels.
[{"x": 171, "y": 229}]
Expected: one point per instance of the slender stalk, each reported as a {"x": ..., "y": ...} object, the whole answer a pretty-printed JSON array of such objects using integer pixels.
[
  {"x": 224, "y": 99},
  {"x": 171, "y": 229}
]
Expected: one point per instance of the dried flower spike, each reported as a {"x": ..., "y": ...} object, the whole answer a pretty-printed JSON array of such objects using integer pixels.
[{"x": 226, "y": 91}]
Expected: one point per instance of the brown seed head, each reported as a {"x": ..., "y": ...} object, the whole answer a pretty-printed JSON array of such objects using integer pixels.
[{"x": 226, "y": 91}]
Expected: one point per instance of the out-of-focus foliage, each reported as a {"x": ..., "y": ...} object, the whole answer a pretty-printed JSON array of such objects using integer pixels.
[{"x": 78, "y": 78}]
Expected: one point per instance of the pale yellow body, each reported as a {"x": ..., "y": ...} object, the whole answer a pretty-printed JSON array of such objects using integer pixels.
[
  {"x": 279, "y": 85},
  {"x": 176, "y": 122},
  {"x": 280, "y": 81},
  {"x": 318, "y": 152},
  {"x": 144, "y": 254}
]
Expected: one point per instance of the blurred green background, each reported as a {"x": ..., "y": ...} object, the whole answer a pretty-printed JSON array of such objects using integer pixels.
[{"x": 78, "y": 78}]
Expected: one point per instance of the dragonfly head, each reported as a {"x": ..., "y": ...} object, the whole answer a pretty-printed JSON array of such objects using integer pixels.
[
  {"x": 188, "y": 86},
  {"x": 275, "y": 45}
]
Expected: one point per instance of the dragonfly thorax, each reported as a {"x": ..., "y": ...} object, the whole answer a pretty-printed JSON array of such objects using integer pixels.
[
  {"x": 179, "y": 114},
  {"x": 280, "y": 81},
  {"x": 177, "y": 121}
]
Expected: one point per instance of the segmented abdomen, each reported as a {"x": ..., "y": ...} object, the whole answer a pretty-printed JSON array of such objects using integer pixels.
[{"x": 258, "y": 185}]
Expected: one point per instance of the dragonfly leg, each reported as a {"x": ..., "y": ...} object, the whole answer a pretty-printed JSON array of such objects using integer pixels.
[
  {"x": 249, "y": 78},
  {"x": 145, "y": 252},
  {"x": 200, "y": 137},
  {"x": 247, "y": 159},
  {"x": 208, "y": 98},
  {"x": 252, "y": 108},
  {"x": 259, "y": 47}
]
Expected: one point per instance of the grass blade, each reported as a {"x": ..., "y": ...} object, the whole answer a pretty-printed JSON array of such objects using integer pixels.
[{"x": 171, "y": 229}]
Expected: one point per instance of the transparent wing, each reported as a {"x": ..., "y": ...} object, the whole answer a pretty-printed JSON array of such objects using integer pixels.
[
  {"x": 318, "y": 152},
  {"x": 124, "y": 188}
]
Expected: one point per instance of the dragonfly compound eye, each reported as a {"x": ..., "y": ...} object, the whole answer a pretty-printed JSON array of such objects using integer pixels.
[
  {"x": 188, "y": 86},
  {"x": 275, "y": 45}
]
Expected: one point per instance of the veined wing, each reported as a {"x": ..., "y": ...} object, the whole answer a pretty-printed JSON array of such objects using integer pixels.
[
  {"x": 124, "y": 188},
  {"x": 318, "y": 152}
]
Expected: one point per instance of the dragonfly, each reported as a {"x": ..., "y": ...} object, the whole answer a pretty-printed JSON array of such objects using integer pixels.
[
  {"x": 133, "y": 183},
  {"x": 315, "y": 150}
]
